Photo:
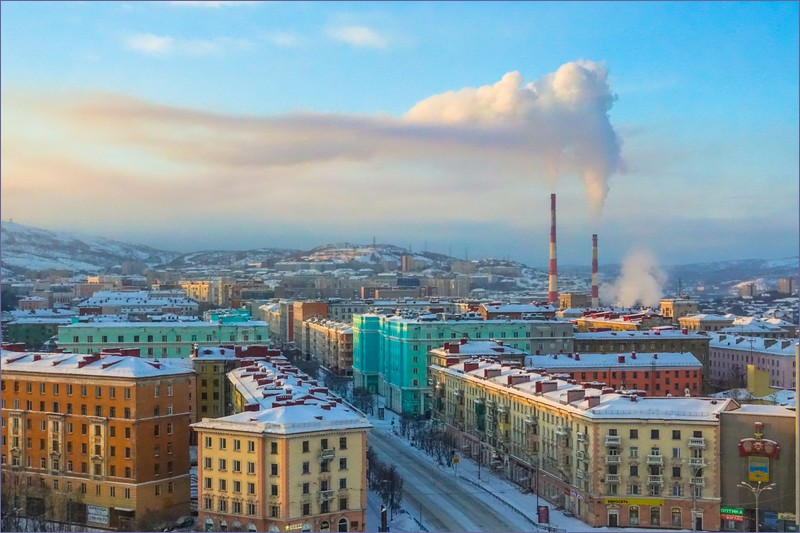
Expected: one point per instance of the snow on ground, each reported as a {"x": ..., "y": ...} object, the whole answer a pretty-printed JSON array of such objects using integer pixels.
[{"x": 509, "y": 495}]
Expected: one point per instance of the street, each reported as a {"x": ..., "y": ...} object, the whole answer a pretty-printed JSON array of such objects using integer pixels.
[{"x": 445, "y": 502}]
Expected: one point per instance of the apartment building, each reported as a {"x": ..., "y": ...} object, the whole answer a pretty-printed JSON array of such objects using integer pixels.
[
  {"x": 705, "y": 322},
  {"x": 293, "y": 459},
  {"x": 676, "y": 308},
  {"x": 168, "y": 338},
  {"x": 331, "y": 343},
  {"x": 610, "y": 320},
  {"x": 730, "y": 355},
  {"x": 621, "y": 460},
  {"x": 657, "y": 374},
  {"x": 100, "y": 440},
  {"x": 139, "y": 303},
  {"x": 390, "y": 352}
]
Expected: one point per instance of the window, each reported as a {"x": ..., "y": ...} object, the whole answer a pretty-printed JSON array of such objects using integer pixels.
[
  {"x": 127, "y": 394},
  {"x": 274, "y": 511},
  {"x": 676, "y": 517},
  {"x": 207, "y": 482},
  {"x": 654, "y": 434},
  {"x": 251, "y": 509},
  {"x": 69, "y": 390},
  {"x": 343, "y": 483},
  {"x": 251, "y": 488},
  {"x": 343, "y": 443},
  {"x": 273, "y": 469},
  {"x": 325, "y": 466},
  {"x": 634, "y": 489},
  {"x": 343, "y": 463},
  {"x": 676, "y": 453},
  {"x": 158, "y": 490},
  {"x": 208, "y": 442},
  {"x": 273, "y": 448},
  {"x": 342, "y": 504},
  {"x": 237, "y": 445},
  {"x": 634, "y": 470},
  {"x": 251, "y": 446},
  {"x": 169, "y": 428},
  {"x": 633, "y": 515},
  {"x": 237, "y": 486},
  {"x": 223, "y": 443},
  {"x": 127, "y": 433},
  {"x": 112, "y": 392},
  {"x": 676, "y": 434},
  {"x": 207, "y": 503},
  {"x": 677, "y": 490},
  {"x": 305, "y": 446},
  {"x": 655, "y": 516},
  {"x": 634, "y": 433},
  {"x": 223, "y": 464},
  {"x": 306, "y": 468},
  {"x": 273, "y": 490},
  {"x": 156, "y": 430},
  {"x": 237, "y": 466},
  {"x": 207, "y": 463},
  {"x": 251, "y": 467},
  {"x": 324, "y": 444},
  {"x": 223, "y": 484},
  {"x": 223, "y": 505},
  {"x": 306, "y": 488},
  {"x": 306, "y": 509},
  {"x": 127, "y": 494}
]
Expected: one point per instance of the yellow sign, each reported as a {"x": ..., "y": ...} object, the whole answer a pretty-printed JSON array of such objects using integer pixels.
[
  {"x": 758, "y": 467},
  {"x": 791, "y": 517},
  {"x": 634, "y": 501}
]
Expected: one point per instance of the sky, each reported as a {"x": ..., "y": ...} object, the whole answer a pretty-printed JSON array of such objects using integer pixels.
[{"x": 668, "y": 128}]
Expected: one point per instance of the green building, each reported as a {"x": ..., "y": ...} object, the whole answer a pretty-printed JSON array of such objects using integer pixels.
[
  {"x": 167, "y": 338},
  {"x": 390, "y": 352},
  {"x": 34, "y": 332}
]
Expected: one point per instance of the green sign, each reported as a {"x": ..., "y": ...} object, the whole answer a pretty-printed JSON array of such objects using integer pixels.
[{"x": 732, "y": 510}]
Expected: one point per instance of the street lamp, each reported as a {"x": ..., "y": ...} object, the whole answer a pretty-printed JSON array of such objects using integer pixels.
[
  {"x": 757, "y": 490},
  {"x": 696, "y": 468}
]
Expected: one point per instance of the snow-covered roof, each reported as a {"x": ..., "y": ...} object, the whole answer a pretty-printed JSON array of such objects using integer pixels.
[
  {"x": 765, "y": 410},
  {"x": 609, "y": 360},
  {"x": 638, "y": 334},
  {"x": 90, "y": 365},
  {"x": 165, "y": 323},
  {"x": 518, "y": 308},
  {"x": 781, "y": 347},
  {"x": 478, "y": 347},
  {"x": 288, "y": 401}
]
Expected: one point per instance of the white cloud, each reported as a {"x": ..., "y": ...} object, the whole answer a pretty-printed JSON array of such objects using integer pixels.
[
  {"x": 151, "y": 44},
  {"x": 283, "y": 38},
  {"x": 359, "y": 36}
]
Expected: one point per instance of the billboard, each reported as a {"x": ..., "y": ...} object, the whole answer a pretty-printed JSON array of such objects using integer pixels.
[
  {"x": 758, "y": 468},
  {"x": 97, "y": 514}
]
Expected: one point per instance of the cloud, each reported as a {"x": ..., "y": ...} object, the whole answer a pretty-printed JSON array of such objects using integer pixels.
[
  {"x": 213, "y": 3},
  {"x": 158, "y": 45},
  {"x": 421, "y": 169},
  {"x": 283, "y": 38},
  {"x": 358, "y": 36}
]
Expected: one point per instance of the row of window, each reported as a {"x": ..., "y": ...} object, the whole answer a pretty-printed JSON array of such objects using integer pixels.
[
  {"x": 150, "y": 338},
  {"x": 84, "y": 389},
  {"x": 236, "y": 507},
  {"x": 84, "y": 411},
  {"x": 656, "y": 434},
  {"x": 208, "y": 443}
]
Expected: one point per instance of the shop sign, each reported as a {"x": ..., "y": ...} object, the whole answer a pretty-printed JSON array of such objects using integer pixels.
[
  {"x": 732, "y": 517},
  {"x": 789, "y": 517},
  {"x": 732, "y": 510},
  {"x": 634, "y": 501},
  {"x": 97, "y": 514}
]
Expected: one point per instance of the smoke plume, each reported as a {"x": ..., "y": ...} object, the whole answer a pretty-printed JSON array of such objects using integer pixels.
[
  {"x": 562, "y": 119},
  {"x": 641, "y": 282}
]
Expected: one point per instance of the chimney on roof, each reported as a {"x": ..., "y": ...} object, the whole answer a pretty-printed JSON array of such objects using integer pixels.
[
  {"x": 620, "y": 359},
  {"x": 552, "y": 293},
  {"x": 573, "y": 395},
  {"x": 592, "y": 401}
]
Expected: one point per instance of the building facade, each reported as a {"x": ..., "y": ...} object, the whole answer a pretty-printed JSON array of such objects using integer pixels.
[
  {"x": 730, "y": 355},
  {"x": 293, "y": 459},
  {"x": 99, "y": 440},
  {"x": 601, "y": 455}
]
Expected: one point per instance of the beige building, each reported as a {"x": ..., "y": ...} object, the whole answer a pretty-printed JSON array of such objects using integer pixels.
[
  {"x": 293, "y": 459},
  {"x": 705, "y": 322},
  {"x": 675, "y": 308},
  {"x": 620, "y": 460},
  {"x": 331, "y": 343}
]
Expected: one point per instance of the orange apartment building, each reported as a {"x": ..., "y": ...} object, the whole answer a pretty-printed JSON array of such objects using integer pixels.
[{"x": 100, "y": 440}]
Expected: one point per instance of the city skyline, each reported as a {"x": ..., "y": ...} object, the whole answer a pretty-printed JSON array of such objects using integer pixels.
[{"x": 236, "y": 125}]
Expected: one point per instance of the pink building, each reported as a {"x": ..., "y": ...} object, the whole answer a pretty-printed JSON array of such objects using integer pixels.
[{"x": 729, "y": 356}]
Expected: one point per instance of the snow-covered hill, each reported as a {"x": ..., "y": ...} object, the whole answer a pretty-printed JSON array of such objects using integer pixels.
[{"x": 27, "y": 248}]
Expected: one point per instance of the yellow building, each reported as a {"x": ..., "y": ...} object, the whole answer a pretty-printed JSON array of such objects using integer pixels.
[
  {"x": 293, "y": 459},
  {"x": 611, "y": 459},
  {"x": 676, "y": 308},
  {"x": 705, "y": 322},
  {"x": 331, "y": 343}
]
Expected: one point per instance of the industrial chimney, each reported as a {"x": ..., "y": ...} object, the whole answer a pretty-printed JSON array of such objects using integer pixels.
[
  {"x": 552, "y": 293},
  {"x": 595, "y": 289}
]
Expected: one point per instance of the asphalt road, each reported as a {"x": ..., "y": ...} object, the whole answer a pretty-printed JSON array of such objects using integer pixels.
[{"x": 446, "y": 503}]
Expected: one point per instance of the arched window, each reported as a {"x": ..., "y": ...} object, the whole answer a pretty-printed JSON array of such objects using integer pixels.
[
  {"x": 676, "y": 516},
  {"x": 633, "y": 515},
  {"x": 273, "y": 528},
  {"x": 343, "y": 524},
  {"x": 209, "y": 524},
  {"x": 324, "y": 526},
  {"x": 252, "y": 527}
]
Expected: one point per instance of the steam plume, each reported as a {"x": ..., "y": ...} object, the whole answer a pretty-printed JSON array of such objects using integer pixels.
[{"x": 640, "y": 282}]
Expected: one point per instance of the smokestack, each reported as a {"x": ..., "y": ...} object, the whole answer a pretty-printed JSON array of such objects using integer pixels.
[
  {"x": 595, "y": 290},
  {"x": 552, "y": 293}
]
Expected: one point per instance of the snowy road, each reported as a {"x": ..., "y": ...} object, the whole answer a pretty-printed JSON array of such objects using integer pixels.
[{"x": 445, "y": 502}]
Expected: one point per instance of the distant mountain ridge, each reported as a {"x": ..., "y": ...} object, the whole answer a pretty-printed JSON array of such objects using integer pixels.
[{"x": 25, "y": 248}]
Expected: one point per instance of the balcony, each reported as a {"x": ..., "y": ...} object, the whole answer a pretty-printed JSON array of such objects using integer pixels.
[
  {"x": 697, "y": 442},
  {"x": 582, "y": 474},
  {"x": 655, "y": 480},
  {"x": 325, "y": 495},
  {"x": 697, "y": 462},
  {"x": 613, "y": 440},
  {"x": 563, "y": 431},
  {"x": 581, "y": 456},
  {"x": 612, "y": 478},
  {"x": 327, "y": 453},
  {"x": 613, "y": 459},
  {"x": 582, "y": 437},
  {"x": 700, "y": 482},
  {"x": 655, "y": 459}
]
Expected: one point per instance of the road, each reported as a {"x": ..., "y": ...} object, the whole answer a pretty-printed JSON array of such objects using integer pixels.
[{"x": 446, "y": 503}]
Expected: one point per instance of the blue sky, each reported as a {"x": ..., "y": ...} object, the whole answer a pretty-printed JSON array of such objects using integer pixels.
[{"x": 201, "y": 125}]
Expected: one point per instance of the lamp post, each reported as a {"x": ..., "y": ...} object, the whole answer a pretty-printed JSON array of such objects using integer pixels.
[
  {"x": 757, "y": 490},
  {"x": 696, "y": 468}
]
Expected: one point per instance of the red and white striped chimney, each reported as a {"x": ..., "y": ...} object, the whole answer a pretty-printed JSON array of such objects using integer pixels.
[
  {"x": 595, "y": 290},
  {"x": 552, "y": 293}
]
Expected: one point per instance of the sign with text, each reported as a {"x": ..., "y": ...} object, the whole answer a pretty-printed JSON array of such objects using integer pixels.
[
  {"x": 544, "y": 514},
  {"x": 97, "y": 514},
  {"x": 732, "y": 517},
  {"x": 732, "y": 510},
  {"x": 634, "y": 501}
]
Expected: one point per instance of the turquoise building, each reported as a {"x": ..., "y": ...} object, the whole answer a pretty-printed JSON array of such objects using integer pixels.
[
  {"x": 390, "y": 353},
  {"x": 168, "y": 338}
]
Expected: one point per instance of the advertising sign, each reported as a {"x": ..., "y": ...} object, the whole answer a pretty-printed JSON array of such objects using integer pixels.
[
  {"x": 544, "y": 514},
  {"x": 732, "y": 510},
  {"x": 97, "y": 514},
  {"x": 732, "y": 517},
  {"x": 634, "y": 501},
  {"x": 758, "y": 468}
]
